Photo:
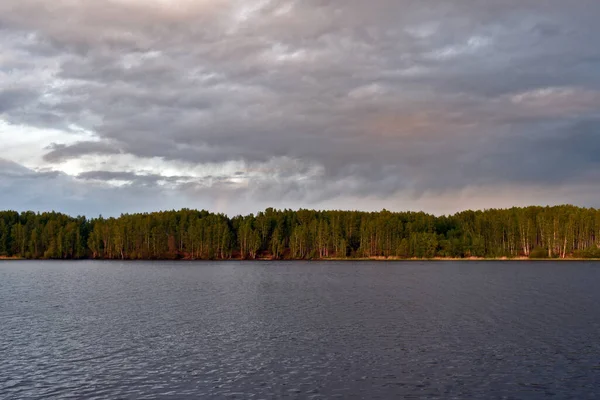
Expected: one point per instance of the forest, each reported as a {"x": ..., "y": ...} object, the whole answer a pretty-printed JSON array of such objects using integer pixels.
[{"x": 531, "y": 232}]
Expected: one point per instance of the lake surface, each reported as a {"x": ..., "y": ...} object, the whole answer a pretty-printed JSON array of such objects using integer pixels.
[{"x": 144, "y": 330}]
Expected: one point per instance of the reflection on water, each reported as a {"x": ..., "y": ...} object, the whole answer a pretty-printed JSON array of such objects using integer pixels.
[{"x": 299, "y": 330}]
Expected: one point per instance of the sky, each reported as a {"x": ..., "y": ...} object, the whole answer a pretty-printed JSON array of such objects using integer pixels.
[{"x": 121, "y": 106}]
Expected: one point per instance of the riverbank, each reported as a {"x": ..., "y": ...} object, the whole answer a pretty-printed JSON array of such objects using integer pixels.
[
  {"x": 332, "y": 259},
  {"x": 456, "y": 259}
]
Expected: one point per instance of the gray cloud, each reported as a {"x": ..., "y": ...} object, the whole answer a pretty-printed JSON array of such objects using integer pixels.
[
  {"x": 12, "y": 98},
  {"x": 316, "y": 100},
  {"x": 60, "y": 152}
]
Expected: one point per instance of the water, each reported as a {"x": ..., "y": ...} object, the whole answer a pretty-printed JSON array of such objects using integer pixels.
[{"x": 147, "y": 330}]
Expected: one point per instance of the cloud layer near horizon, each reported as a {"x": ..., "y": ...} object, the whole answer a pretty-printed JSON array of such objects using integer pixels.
[{"x": 131, "y": 105}]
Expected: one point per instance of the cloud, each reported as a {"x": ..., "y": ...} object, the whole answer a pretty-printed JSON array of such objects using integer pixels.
[
  {"x": 61, "y": 152},
  {"x": 309, "y": 103}
]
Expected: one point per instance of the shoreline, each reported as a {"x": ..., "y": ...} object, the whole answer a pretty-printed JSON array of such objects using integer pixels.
[{"x": 359, "y": 259}]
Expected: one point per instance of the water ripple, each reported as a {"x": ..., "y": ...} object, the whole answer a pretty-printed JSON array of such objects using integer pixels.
[{"x": 95, "y": 330}]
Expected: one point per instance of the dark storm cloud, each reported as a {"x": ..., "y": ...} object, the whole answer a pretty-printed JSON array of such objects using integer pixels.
[{"x": 365, "y": 98}]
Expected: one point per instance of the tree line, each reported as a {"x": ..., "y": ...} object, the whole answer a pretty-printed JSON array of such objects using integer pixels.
[{"x": 535, "y": 232}]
